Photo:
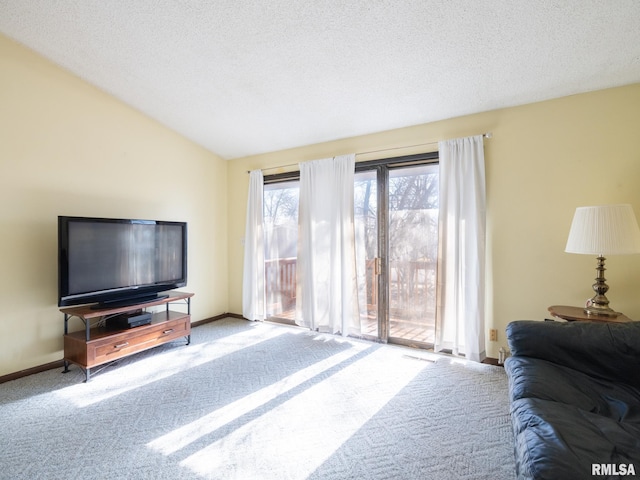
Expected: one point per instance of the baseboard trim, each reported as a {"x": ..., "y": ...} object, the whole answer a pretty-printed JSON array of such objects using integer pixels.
[
  {"x": 492, "y": 361},
  {"x": 214, "y": 319},
  {"x": 31, "y": 371},
  {"x": 60, "y": 363}
]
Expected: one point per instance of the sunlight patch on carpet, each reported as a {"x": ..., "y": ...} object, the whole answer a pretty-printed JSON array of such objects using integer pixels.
[
  {"x": 183, "y": 436},
  {"x": 294, "y": 438}
]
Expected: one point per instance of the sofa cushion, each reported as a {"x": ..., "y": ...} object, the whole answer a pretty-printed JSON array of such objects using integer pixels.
[
  {"x": 536, "y": 378},
  {"x": 608, "y": 351},
  {"x": 555, "y": 440}
]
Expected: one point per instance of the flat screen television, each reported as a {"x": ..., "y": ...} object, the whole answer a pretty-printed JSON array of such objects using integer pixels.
[{"x": 119, "y": 262}]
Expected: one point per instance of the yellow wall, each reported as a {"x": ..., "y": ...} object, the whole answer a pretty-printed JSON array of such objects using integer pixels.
[
  {"x": 544, "y": 160},
  {"x": 67, "y": 148}
]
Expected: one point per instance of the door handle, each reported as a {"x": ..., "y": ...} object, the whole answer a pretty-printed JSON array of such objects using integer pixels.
[{"x": 377, "y": 269}]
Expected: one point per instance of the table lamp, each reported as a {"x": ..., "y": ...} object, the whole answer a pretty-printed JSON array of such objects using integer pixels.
[{"x": 603, "y": 230}]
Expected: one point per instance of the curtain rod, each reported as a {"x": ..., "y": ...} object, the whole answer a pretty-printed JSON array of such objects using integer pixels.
[{"x": 484, "y": 135}]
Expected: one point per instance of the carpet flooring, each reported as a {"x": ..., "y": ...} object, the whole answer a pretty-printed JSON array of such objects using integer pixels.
[{"x": 261, "y": 401}]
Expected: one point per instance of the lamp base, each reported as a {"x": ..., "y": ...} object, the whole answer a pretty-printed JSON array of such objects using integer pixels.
[
  {"x": 600, "y": 311},
  {"x": 599, "y": 304}
]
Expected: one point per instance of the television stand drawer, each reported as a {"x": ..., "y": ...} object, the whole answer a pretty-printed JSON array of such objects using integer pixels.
[{"x": 137, "y": 339}]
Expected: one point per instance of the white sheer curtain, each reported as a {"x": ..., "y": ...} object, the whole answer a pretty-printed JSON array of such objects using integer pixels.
[
  {"x": 326, "y": 247},
  {"x": 462, "y": 240},
  {"x": 253, "y": 281}
]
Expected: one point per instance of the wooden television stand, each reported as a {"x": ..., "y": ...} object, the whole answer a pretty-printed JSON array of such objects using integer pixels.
[{"x": 98, "y": 344}]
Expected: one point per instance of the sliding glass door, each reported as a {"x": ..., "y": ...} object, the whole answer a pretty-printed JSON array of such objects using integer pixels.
[
  {"x": 396, "y": 232},
  {"x": 397, "y": 249}
]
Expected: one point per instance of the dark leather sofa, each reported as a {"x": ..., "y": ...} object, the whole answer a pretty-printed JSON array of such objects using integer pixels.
[{"x": 575, "y": 399}]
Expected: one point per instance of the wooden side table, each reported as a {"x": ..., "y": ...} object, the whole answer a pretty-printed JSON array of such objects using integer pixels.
[{"x": 577, "y": 314}]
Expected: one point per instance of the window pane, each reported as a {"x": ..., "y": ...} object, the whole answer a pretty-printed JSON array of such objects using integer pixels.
[
  {"x": 413, "y": 252},
  {"x": 366, "y": 233},
  {"x": 281, "y": 241}
]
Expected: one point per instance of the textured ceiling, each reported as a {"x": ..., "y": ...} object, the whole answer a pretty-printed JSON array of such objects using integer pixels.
[{"x": 242, "y": 77}]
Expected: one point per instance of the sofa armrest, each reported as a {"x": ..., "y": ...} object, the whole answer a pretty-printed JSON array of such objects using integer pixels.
[{"x": 600, "y": 349}]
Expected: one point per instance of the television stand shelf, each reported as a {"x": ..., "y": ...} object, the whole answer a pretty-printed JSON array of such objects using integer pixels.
[{"x": 98, "y": 344}]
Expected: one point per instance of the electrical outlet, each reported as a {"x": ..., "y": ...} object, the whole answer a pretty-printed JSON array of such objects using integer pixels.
[{"x": 493, "y": 335}]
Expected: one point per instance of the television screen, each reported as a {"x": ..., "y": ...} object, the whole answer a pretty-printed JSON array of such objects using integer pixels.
[{"x": 119, "y": 261}]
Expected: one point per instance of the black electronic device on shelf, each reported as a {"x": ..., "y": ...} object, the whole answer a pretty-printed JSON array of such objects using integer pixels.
[{"x": 128, "y": 320}]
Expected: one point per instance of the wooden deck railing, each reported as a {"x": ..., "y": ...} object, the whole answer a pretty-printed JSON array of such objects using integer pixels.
[
  {"x": 408, "y": 279},
  {"x": 412, "y": 297},
  {"x": 280, "y": 275}
]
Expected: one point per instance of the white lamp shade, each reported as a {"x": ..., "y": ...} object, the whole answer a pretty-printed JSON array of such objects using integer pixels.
[{"x": 604, "y": 230}]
